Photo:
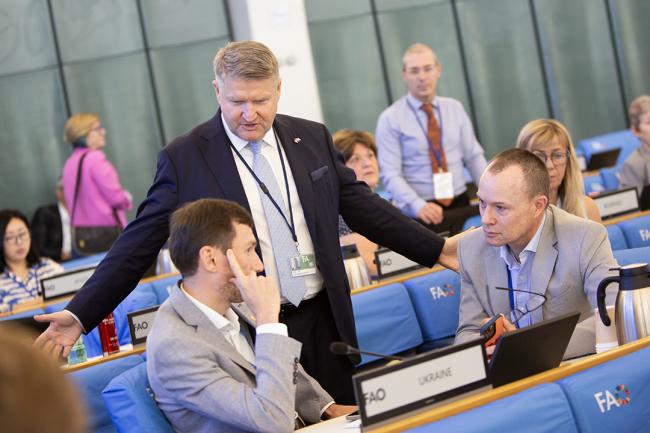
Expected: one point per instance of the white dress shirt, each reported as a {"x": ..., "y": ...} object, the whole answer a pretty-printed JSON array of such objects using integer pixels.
[
  {"x": 229, "y": 326},
  {"x": 66, "y": 241},
  {"x": 314, "y": 282}
]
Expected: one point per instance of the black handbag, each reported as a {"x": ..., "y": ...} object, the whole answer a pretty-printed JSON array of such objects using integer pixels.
[{"x": 89, "y": 240}]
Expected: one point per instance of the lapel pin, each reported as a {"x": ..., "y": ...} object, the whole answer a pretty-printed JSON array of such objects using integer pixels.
[{"x": 296, "y": 140}]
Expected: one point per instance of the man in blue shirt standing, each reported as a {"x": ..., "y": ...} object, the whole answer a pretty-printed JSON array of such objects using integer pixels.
[{"x": 424, "y": 141}]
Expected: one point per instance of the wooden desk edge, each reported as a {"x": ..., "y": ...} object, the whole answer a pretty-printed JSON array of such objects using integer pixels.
[
  {"x": 626, "y": 217},
  {"x": 122, "y": 354},
  {"x": 481, "y": 399}
]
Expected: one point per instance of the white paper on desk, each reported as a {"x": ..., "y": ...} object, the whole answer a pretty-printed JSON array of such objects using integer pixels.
[{"x": 356, "y": 425}]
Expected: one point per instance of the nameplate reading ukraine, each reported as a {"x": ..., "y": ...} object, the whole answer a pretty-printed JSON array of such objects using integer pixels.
[
  {"x": 66, "y": 283},
  {"x": 420, "y": 381}
]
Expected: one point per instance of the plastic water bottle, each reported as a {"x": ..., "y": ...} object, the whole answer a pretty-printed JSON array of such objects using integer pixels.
[{"x": 78, "y": 353}]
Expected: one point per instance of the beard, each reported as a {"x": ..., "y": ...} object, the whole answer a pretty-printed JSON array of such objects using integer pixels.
[{"x": 233, "y": 293}]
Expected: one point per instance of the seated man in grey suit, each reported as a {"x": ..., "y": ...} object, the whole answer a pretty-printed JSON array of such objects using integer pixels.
[
  {"x": 209, "y": 372},
  {"x": 552, "y": 260}
]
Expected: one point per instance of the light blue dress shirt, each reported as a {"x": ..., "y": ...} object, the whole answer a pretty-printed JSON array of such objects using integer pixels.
[
  {"x": 403, "y": 150},
  {"x": 521, "y": 272}
]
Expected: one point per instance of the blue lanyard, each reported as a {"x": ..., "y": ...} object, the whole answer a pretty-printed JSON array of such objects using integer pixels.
[
  {"x": 436, "y": 154},
  {"x": 265, "y": 190},
  {"x": 511, "y": 293}
]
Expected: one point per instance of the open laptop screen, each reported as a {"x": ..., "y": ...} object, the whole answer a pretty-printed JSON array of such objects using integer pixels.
[{"x": 532, "y": 349}]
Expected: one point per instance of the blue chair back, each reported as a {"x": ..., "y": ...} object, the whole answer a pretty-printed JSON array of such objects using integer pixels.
[
  {"x": 624, "y": 140},
  {"x": 632, "y": 255},
  {"x": 541, "y": 409},
  {"x": 473, "y": 221},
  {"x": 616, "y": 237},
  {"x": 385, "y": 321},
  {"x": 593, "y": 183},
  {"x": 23, "y": 314},
  {"x": 131, "y": 405},
  {"x": 83, "y": 261},
  {"x": 92, "y": 380},
  {"x": 436, "y": 300},
  {"x": 609, "y": 177},
  {"x": 636, "y": 231},
  {"x": 614, "y": 396},
  {"x": 162, "y": 288}
]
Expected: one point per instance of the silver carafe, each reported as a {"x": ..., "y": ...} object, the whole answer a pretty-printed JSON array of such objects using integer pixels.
[{"x": 632, "y": 302}]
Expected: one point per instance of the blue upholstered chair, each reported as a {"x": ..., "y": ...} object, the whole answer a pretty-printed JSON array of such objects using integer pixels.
[
  {"x": 609, "y": 177},
  {"x": 593, "y": 183},
  {"x": 616, "y": 237},
  {"x": 624, "y": 140},
  {"x": 614, "y": 396},
  {"x": 92, "y": 380},
  {"x": 131, "y": 405},
  {"x": 436, "y": 300},
  {"x": 473, "y": 221},
  {"x": 541, "y": 409},
  {"x": 162, "y": 287},
  {"x": 632, "y": 255},
  {"x": 636, "y": 231},
  {"x": 82, "y": 262},
  {"x": 385, "y": 321}
]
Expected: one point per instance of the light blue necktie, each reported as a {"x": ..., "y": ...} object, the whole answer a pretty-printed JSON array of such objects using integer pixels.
[{"x": 284, "y": 248}]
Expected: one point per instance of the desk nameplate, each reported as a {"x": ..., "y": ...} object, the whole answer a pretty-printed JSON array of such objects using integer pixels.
[
  {"x": 140, "y": 323},
  {"x": 617, "y": 202},
  {"x": 66, "y": 283},
  {"x": 420, "y": 381},
  {"x": 389, "y": 263}
]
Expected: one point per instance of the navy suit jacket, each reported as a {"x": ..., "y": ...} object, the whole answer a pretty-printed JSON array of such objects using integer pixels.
[{"x": 200, "y": 164}]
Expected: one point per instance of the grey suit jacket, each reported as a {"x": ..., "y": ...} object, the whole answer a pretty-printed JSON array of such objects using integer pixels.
[
  {"x": 573, "y": 256},
  {"x": 203, "y": 384}
]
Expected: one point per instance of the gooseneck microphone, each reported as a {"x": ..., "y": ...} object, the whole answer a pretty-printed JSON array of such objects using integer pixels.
[{"x": 341, "y": 348}]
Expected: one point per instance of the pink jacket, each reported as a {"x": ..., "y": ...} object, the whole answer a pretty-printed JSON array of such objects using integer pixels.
[{"x": 100, "y": 191}]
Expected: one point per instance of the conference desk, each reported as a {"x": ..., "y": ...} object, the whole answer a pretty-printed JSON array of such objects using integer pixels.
[{"x": 472, "y": 401}]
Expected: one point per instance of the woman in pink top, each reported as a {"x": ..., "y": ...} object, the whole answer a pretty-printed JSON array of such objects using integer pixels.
[{"x": 100, "y": 192}]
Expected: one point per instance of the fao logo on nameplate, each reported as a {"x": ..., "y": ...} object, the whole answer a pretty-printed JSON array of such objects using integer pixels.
[
  {"x": 439, "y": 292},
  {"x": 609, "y": 400}
]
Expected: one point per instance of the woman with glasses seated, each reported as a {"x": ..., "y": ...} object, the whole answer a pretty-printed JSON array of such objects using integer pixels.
[
  {"x": 360, "y": 154},
  {"x": 550, "y": 141},
  {"x": 22, "y": 267}
]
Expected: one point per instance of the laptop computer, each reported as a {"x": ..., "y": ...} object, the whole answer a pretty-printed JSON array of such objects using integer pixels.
[
  {"x": 606, "y": 158},
  {"x": 532, "y": 349}
]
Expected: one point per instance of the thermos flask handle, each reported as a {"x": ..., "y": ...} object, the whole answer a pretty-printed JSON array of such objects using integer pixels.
[{"x": 601, "y": 295}]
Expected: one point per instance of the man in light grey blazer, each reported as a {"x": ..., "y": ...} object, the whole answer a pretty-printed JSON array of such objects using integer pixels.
[
  {"x": 208, "y": 371},
  {"x": 551, "y": 259}
]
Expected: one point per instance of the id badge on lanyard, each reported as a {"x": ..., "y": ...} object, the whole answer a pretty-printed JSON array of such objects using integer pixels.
[{"x": 443, "y": 185}]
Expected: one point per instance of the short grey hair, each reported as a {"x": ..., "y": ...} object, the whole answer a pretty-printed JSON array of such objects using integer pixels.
[
  {"x": 249, "y": 60},
  {"x": 419, "y": 47},
  {"x": 638, "y": 108},
  {"x": 536, "y": 178}
]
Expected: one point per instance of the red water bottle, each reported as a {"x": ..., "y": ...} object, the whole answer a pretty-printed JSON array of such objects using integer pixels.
[{"x": 108, "y": 336}]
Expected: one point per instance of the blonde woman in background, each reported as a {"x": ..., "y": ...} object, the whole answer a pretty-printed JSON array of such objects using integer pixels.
[{"x": 550, "y": 141}]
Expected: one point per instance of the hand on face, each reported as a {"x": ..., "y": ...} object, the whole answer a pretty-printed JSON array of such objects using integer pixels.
[{"x": 260, "y": 293}]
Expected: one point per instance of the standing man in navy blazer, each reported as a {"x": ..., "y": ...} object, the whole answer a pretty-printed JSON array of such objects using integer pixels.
[{"x": 221, "y": 159}]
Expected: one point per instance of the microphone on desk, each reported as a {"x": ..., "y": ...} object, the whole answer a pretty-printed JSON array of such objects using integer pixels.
[{"x": 341, "y": 348}]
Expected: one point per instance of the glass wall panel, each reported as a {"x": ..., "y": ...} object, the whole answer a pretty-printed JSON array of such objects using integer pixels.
[
  {"x": 167, "y": 21},
  {"x": 92, "y": 29},
  {"x": 25, "y": 37},
  {"x": 576, "y": 36},
  {"x": 633, "y": 17},
  {"x": 31, "y": 135},
  {"x": 348, "y": 66},
  {"x": 119, "y": 89},
  {"x": 184, "y": 81},
  {"x": 430, "y": 22},
  {"x": 504, "y": 67}
]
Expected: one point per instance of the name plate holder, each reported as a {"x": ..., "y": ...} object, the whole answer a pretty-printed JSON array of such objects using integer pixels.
[
  {"x": 389, "y": 263},
  {"x": 140, "y": 323},
  {"x": 617, "y": 203},
  {"x": 420, "y": 382},
  {"x": 66, "y": 283}
]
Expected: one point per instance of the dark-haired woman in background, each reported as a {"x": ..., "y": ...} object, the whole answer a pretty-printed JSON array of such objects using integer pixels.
[
  {"x": 22, "y": 268},
  {"x": 101, "y": 201}
]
